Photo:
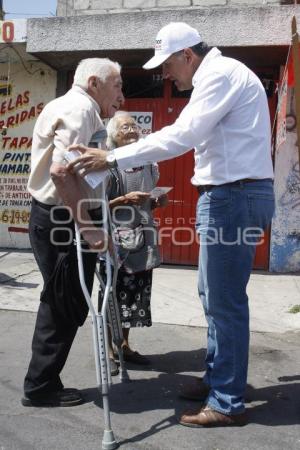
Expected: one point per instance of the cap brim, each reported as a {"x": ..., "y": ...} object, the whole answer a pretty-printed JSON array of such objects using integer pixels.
[{"x": 156, "y": 61}]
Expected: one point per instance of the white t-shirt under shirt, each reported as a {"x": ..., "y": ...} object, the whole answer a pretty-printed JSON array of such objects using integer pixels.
[{"x": 226, "y": 121}]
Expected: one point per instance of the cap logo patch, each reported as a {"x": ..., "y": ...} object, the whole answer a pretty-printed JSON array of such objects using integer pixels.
[{"x": 158, "y": 44}]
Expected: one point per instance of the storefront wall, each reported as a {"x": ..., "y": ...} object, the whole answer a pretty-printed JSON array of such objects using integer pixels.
[
  {"x": 257, "y": 32},
  {"x": 23, "y": 94}
]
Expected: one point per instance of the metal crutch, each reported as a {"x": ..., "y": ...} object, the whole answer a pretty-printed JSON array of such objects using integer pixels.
[
  {"x": 110, "y": 291},
  {"x": 99, "y": 322}
]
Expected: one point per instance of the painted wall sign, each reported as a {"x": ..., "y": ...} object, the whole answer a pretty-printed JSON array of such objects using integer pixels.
[
  {"x": 13, "y": 30},
  {"x": 285, "y": 238},
  {"x": 144, "y": 120},
  {"x": 22, "y": 98},
  {"x": 281, "y": 116}
]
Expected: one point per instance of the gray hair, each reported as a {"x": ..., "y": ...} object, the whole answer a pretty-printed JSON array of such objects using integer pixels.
[
  {"x": 101, "y": 68},
  {"x": 112, "y": 128}
]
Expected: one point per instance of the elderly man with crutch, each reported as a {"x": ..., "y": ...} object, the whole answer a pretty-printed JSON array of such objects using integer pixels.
[{"x": 56, "y": 193}]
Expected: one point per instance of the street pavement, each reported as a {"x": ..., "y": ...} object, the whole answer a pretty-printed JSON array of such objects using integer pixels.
[{"x": 144, "y": 411}]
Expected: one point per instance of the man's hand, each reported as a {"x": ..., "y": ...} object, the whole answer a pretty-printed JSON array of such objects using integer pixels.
[{"x": 91, "y": 159}]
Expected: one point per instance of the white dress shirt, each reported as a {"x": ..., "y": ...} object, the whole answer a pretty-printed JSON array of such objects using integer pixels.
[{"x": 226, "y": 121}]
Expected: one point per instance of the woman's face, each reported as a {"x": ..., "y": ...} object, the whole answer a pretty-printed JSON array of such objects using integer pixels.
[{"x": 127, "y": 131}]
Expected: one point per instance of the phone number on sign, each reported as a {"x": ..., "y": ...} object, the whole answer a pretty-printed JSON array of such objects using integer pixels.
[{"x": 14, "y": 216}]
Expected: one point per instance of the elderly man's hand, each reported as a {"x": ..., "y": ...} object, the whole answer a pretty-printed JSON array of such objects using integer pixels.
[{"x": 91, "y": 159}]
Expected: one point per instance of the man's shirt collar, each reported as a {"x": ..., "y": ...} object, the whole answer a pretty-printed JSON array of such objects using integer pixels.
[{"x": 212, "y": 54}]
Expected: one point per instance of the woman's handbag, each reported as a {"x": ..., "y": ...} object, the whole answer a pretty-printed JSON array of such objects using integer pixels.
[
  {"x": 128, "y": 232},
  {"x": 130, "y": 239}
]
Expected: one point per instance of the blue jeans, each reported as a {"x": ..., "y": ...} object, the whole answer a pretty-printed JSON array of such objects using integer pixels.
[{"x": 230, "y": 221}]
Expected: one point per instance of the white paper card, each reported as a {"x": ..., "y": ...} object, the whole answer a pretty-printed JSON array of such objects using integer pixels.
[
  {"x": 92, "y": 178},
  {"x": 158, "y": 191}
]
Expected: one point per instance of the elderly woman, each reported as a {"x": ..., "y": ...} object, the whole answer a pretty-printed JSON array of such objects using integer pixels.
[{"x": 130, "y": 188}]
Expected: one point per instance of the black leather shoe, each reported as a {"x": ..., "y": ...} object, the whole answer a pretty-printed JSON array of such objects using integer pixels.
[
  {"x": 134, "y": 357},
  {"x": 63, "y": 398}
]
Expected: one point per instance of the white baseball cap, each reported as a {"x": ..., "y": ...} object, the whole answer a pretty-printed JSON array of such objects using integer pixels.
[{"x": 171, "y": 39}]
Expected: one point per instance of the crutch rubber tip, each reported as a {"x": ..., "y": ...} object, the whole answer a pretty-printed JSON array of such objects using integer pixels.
[{"x": 108, "y": 441}]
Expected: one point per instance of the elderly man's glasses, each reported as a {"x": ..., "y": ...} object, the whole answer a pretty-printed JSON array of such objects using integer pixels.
[{"x": 126, "y": 127}]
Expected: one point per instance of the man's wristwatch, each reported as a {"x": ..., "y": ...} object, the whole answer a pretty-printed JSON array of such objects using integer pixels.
[{"x": 111, "y": 160}]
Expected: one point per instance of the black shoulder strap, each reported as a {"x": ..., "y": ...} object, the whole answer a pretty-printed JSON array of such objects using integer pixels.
[{"x": 118, "y": 179}]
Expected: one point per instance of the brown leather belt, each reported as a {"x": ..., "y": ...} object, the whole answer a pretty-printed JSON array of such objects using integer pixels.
[{"x": 207, "y": 187}]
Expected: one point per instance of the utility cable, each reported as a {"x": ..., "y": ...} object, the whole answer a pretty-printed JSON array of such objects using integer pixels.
[{"x": 21, "y": 59}]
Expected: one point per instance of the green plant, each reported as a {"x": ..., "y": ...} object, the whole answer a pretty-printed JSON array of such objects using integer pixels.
[{"x": 294, "y": 309}]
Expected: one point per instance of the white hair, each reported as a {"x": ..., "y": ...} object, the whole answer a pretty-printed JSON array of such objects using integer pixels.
[
  {"x": 101, "y": 68},
  {"x": 112, "y": 128}
]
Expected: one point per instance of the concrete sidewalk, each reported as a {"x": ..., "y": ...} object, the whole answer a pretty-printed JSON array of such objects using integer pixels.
[
  {"x": 174, "y": 297},
  {"x": 144, "y": 411}
]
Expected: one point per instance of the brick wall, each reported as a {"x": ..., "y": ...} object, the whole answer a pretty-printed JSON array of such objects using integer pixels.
[{"x": 81, "y": 7}]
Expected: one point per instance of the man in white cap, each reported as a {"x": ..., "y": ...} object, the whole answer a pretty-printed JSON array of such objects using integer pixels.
[{"x": 227, "y": 122}]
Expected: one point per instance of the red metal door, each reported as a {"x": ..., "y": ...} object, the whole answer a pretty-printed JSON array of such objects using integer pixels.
[{"x": 178, "y": 240}]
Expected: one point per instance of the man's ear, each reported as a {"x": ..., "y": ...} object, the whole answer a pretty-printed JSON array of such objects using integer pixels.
[
  {"x": 92, "y": 83},
  {"x": 188, "y": 54}
]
